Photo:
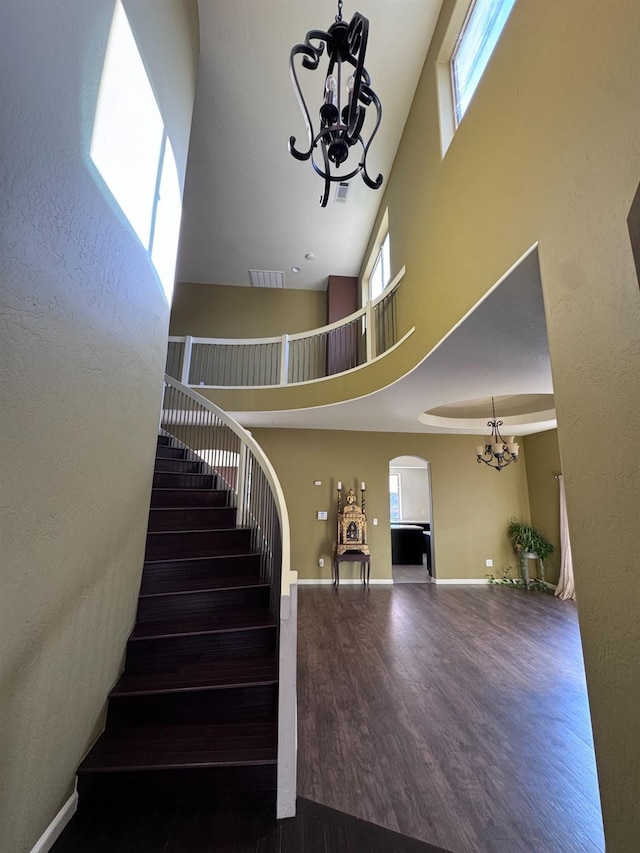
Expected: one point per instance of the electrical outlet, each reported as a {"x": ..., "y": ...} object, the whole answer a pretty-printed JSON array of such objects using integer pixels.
[
  {"x": 488, "y": 564},
  {"x": 321, "y": 562},
  {"x": 375, "y": 522}
]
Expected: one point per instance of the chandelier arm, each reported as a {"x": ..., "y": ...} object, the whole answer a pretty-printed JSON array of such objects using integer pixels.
[
  {"x": 327, "y": 177},
  {"x": 377, "y": 183},
  {"x": 311, "y": 55},
  {"x": 357, "y": 38}
]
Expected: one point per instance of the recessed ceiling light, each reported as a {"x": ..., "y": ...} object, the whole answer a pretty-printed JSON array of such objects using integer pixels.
[
  {"x": 295, "y": 269},
  {"x": 309, "y": 256}
]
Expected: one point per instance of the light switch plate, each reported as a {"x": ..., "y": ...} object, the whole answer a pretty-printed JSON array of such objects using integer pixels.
[{"x": 322, "y": 515}]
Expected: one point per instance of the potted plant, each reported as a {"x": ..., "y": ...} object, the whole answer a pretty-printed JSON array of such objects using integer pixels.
[{"x": 528, "y": 542}]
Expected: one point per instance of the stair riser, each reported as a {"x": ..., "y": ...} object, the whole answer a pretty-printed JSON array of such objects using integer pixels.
[
  {"x": 164, "y": 441},
  {"x": 177, "y": 465},
  {"x": 165, "y": 452},
  {"x": 201, "y": 707},
  {"x": 146, "y": 656},
  {"x": 163, "y": 480},
  {"x": 188, "y": 787},
  {"x": 197, "y": 603},
  {"x": 209, "y": 543},
  {"x": 177, "y": 575},
  {"x": 188, "y": 498},
  {"x": 191, "y": 518}
]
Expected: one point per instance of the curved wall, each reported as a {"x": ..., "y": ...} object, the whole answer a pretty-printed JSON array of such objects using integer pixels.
[{"x": 84, "y": 326}]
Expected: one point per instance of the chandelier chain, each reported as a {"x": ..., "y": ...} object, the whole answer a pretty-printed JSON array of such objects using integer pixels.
[{"x": 339, "y": 15}]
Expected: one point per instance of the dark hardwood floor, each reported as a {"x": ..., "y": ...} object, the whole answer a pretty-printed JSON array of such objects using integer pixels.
[
  {"x": 224, "y": 828},
  {"x": 456, "y": 715}
]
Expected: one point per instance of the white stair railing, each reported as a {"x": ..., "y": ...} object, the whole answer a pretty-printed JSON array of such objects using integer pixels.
[{"x": 237, "y": 460}]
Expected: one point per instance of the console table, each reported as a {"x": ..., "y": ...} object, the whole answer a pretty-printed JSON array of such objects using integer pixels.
[{"x": 354, "y": 557}]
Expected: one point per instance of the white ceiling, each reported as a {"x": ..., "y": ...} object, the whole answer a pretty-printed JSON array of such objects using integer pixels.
[{"x": 248, "y": 204}]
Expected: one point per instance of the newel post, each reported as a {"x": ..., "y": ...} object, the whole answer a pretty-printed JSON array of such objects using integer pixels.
[
  {"x": 186, "y": 360},
  {"x": 284, "y": 360},
  {"x": 371, "y": 341}
]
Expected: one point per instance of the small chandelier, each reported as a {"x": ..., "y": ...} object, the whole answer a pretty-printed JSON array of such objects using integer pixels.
[
  {"x": 347, "y": 94},
  {"x": 498, "y": 452}
]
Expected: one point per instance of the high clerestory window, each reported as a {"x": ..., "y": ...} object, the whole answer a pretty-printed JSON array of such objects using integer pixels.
[{"x": 474, "y": 46}]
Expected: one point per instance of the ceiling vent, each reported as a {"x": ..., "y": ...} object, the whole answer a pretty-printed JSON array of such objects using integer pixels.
[
  {"x": 266, "y": 278},
  {"x": 341, "y": 192}
]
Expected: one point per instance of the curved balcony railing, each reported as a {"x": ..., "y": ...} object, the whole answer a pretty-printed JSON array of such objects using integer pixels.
[{"x": 340, "y": 347}]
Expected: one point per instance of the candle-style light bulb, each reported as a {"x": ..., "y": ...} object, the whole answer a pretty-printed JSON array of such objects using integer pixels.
[{"x": 331, "y": 88}]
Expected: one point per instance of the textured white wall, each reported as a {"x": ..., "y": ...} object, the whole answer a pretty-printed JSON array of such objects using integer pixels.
[{"x": 83, "y": 327}]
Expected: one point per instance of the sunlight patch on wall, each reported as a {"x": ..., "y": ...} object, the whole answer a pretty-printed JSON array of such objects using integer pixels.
[{"x": 131, "y": 150}]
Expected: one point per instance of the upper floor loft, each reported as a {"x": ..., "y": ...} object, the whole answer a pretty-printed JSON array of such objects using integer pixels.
[{"x": 349, "y": 343}]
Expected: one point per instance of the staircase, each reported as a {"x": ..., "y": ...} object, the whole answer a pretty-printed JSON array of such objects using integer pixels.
[{"x": 194, "y": 714}]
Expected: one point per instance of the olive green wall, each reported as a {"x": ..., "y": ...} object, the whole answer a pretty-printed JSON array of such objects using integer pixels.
[
  {"x": 543, "y": 463},
  {"x": 471, "y": 504},
  {"x": 220, "y": 311},
  {"x": 83, "y": 326}
]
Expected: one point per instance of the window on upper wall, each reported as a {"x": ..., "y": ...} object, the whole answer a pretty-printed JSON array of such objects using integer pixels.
[
  {"x": 381, "y": 271},
  {"x": 474, "y": 46}
]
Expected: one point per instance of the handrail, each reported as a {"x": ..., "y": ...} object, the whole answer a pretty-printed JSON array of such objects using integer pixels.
[
  {"x": 179, "y": 416},
  {"x": 289, "y": 359}
]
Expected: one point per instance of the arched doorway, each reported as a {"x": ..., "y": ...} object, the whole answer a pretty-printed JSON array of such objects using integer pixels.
[{"x": 411, "y": 520}]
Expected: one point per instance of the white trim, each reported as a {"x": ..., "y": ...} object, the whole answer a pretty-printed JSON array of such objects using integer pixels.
[
  {"x": 54, "y": 830},
  {"x": 344, "y": 581},
  {"x": 460, "y": 580},
  {"x": 287, "y": 705}
]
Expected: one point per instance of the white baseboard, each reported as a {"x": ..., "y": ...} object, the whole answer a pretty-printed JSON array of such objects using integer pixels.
[
  {"x": 344, "y": 581},
  {"x": 460, "y": 580},
  {"x": 54, "y": 830}
]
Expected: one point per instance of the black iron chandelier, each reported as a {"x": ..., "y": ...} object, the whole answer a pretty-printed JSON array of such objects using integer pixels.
[
  {"x": 344, "y": 105},
  {"x": 498, "y": 452}
]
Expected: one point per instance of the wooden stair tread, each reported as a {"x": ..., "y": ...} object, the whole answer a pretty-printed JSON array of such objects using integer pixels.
[
  {"x": 181, "y": 747},
  {"x": 208, "y": 623},
  {"x": 178, "y": 586},
  {"x": 229, "y": 672}
]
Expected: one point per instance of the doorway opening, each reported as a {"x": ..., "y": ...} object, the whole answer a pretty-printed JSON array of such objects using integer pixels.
[{"x": 411, "y": 520}]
